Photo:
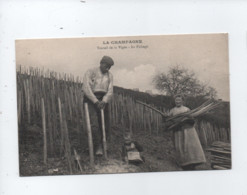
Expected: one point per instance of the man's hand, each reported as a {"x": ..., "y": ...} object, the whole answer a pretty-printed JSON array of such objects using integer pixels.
[
  {"x": 98, "y": 104},
  {"x": 102, "y": 104}
]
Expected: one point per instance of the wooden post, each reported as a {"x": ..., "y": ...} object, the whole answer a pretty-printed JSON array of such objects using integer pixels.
[
  {"x": 61, "y": 124},
  {"x": 50, "y": 127},
  {"x": 104, "y": 135},
  {"x": 67, "y": 144},
  {"x": 19, "y": 106},
  {"x": 77, "y": 158},
  {"x": 44, "y": 130},
  {"x": 28, "y": 102},
  {"x": 89, "y": 133}
]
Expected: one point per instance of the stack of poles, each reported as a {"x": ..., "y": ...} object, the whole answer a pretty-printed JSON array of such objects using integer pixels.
[{"x": 220, "y": 155}]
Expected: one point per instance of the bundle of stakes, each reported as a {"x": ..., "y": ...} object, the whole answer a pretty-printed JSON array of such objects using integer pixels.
[
  {"x": 187, "y": 117},
  {"x": 220, "y": 155}
]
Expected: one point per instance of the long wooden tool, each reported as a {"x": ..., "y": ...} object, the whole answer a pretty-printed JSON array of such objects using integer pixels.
[
  {"x": 104, "y": 135},
  {"x": 89, "y": 133}
]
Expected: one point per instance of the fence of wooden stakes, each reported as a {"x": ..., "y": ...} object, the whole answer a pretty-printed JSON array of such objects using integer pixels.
[{"x": 54, "y": 101}]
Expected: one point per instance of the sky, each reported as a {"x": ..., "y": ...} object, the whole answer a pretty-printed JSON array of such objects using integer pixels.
[{"x": 136, "y": 59}]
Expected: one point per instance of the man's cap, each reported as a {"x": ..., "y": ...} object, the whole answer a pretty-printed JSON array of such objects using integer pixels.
[{"x": 107, "y": 60}]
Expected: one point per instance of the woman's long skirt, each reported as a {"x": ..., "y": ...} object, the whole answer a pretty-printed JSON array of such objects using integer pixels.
[{"x": 188, "y": 147}]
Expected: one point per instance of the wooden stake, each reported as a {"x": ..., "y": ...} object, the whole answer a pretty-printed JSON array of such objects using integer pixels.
[
  {"x": 61, "y": 124},
  {"x": 67, "y": 144},
  {"x": 89, "y": 133},
  {"x": 28, "y": 103},
  {"x": 77, "y": 158},
  {"x": 104, "y": 135},
  {"x": 44, "y": 130},
  {"x": 19, "y": 106}
]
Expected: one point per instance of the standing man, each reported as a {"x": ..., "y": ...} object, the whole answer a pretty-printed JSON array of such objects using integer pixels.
[{"x": 98, "y": 90}]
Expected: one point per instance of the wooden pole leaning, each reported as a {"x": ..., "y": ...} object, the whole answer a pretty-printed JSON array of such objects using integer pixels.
[
  {"x": 89, "y": 133},
  {"x": 104, "y": 134}
]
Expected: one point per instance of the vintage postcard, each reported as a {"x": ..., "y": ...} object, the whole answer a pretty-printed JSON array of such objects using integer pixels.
[{"x": 123, "y": 104}]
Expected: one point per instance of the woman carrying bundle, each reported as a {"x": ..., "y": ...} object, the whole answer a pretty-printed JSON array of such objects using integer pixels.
[{"x": 187, "y": 144}]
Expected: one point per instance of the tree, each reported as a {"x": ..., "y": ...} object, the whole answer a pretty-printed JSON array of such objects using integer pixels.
[{"x": 180, "y": 80}]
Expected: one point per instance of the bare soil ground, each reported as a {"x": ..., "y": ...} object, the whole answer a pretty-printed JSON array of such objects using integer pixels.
[{"x": 158, "y": 152}]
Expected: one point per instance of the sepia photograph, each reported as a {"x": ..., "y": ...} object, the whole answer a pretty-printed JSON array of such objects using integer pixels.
[{"x": 130, "y": 104}]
